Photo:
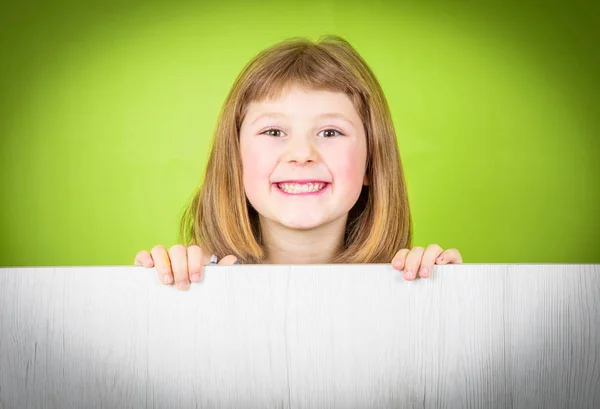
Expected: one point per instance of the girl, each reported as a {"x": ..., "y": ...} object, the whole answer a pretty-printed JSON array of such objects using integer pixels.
[{"x": 304, "y": 169}]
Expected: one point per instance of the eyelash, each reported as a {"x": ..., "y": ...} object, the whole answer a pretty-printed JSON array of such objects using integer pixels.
[{"x": 279, "y": 130}]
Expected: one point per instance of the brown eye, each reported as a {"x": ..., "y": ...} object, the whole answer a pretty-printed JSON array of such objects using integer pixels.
[
  {"x": 328, "y": 133},
  {"x": 273, "y": 132}
]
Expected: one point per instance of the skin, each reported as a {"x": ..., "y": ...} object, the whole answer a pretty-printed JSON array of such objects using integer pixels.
[{"x": 302, "y": 135}]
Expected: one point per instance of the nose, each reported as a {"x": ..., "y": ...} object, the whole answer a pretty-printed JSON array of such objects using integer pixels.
[{"x": 300, "y": 150}]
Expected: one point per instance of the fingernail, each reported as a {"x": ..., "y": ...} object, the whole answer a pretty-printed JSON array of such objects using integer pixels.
[
  {"x": 424, "y": 272},
  {"x": 196, "y": 277},
  {"x": 167, "y": 279},
  {"x": 398, "y": 264},
  {"x": 408, "y": 275},
  {"x": 182, "y": 285}
]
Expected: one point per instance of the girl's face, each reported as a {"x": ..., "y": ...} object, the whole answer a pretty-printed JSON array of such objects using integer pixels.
[{"x": 304, "y": 157}]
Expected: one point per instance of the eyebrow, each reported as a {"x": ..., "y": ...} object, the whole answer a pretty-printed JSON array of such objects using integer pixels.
[{"x": 332, "y": 115}]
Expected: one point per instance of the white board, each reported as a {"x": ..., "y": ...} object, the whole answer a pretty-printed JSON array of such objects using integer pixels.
[{"x": 316, "y": 336}]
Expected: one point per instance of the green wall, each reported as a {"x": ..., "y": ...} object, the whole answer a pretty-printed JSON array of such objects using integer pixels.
[{"x": 107, "y": 109}]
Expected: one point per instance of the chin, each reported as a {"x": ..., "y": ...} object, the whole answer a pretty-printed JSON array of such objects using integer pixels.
[{"x": 301, "y": 224}]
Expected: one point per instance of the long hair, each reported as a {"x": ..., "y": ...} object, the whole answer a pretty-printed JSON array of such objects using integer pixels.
[{"x": 219, "y": 217}]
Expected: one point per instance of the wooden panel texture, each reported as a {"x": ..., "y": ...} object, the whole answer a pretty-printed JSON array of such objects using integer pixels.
[{"x": 311, "y": 336}]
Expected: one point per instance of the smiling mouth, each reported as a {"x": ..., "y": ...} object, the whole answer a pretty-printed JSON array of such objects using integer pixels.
[{"x": 301, "y": 188}]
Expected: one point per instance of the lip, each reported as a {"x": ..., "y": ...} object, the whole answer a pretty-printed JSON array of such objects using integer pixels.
[
  {"x": 318, "y": 192},
  {"x": 301, "y": 181}
]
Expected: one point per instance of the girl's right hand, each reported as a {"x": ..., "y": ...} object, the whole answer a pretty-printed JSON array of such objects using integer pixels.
[{"x": 180, "y": 264}]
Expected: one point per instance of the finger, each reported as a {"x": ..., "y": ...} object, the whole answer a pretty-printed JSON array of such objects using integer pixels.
[
  {"x": 413, "y": 261},
  {"x": 399, "y": 259},
  {"x": 162, "y": 263},
  {"x": 450, "y": 256},
  {"x": 428, "y": 259},
  {"x": 195, "y": 264},
  {"x": 179, "y": 264},
  {"x": 143, "y": 258},
  {"x": 228, "y": 260}
]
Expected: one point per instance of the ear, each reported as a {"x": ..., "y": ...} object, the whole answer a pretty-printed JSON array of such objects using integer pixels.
[{"x": 366, "y": 180}]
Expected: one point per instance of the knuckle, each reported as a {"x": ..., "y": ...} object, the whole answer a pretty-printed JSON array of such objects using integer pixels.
[
  {"x": 434, "y": 247},
  {"x": 158, "y": 248},
  {"x": 164, "y": 267},
  {"x": 177, "y": 248},
  {"x": 194, "y": 266},
  {"x": 194, "y": 250}
]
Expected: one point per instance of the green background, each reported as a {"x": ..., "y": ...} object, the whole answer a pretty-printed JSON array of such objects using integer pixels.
[{"x": 107, "y": 110}]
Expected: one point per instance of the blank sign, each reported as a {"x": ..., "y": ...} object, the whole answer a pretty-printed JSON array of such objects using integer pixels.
[{"x": 301, "y": 336}]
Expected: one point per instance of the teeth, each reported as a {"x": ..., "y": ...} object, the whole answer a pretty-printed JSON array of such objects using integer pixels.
[{"x": 300, "y": 188}]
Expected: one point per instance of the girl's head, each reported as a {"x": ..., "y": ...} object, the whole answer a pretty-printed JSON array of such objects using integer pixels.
[{"x": 303, "y": 112}]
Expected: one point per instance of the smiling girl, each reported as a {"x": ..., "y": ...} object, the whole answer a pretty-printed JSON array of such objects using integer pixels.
[{"x": 304, "y": 169}]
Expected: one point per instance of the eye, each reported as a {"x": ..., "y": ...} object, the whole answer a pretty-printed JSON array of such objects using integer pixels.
[
  {"x": 328, "y": 133},
  {"x": 272, "y": 132}
]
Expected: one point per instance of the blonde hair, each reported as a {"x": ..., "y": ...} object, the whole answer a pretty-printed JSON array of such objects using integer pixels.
[{"x": 219, "y": 217}]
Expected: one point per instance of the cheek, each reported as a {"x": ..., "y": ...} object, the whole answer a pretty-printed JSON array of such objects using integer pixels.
[
  {"x": 349, "y": 166},
  {"x": 251, "y": 179},
  {"x": 256, "y": 169}
]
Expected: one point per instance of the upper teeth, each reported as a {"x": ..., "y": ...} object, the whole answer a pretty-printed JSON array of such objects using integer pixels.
[{"x": 300, "y": 188}]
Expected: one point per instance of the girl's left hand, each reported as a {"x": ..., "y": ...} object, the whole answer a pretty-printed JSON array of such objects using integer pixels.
[{"x": 420, "y": 260}]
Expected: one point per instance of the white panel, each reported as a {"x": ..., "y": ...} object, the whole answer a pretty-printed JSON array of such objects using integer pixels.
[{"x": 328, "y": 336}]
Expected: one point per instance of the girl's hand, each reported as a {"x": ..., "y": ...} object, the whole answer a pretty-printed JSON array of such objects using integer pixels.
[
  {"x": 421, "y": 260},
  {"x": 185, "y": 264}
]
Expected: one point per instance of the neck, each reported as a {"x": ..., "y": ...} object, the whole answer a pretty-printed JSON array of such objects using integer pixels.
[{"x": 315, "y": 246}]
